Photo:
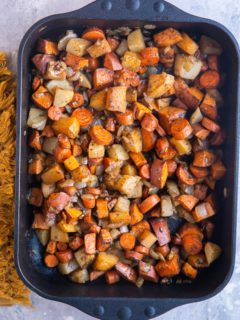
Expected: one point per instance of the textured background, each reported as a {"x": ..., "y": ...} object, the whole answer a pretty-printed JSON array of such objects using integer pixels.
[{"x": 16, "y": 16}]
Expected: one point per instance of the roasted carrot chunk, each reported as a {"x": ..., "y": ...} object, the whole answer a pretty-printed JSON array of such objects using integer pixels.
[
  {"x": 112, "y": 277},
  {"x": 112, "y": 62},
  {"x": 102, "y": 78},
  {"x": 189, "y": 271},
  {"x": 100, "y": 135},
  {"x": 187, "y": 201},
  {"x": 181, "y": 129},
  {"x": 149, "y": 122},
  {"x": 168, "y": 268},
  {"x": 51, "y": 261},
  {"x": 127, "y": 241},
  {"x": 84, "y": 116},
  {"x": 149, "y": 203},
  {"x": 125, "y": 118},
  {"x": 209, "y": 79},
  {"x": 93, "y": 34},
  {"x": 64, "y": 256}
]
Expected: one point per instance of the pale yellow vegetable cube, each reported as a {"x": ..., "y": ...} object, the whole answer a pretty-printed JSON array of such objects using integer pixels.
[
  {"x": 147, "y": 238},
  {"x": 57, "y": 234},
  {"x": 182, "y": 146},
  {"x": 71, "y": 163},
  {"x": 187, "y": 44},
  {"x": 212, "y": 252},
  {"x": 105, "y": 261},
  {"x": 52, "y": 174},
  {"x": 131, "y": 61},
  {"x": 135, "y": 41},
  {"x": 78, "y": 46},
  {"x": 117, "y": 152},
  {"x": 68, "y": 126},
  {"x": 62, "y": 97},
  {"x": 159, "y": 84},
  {"x": 95, "y": 150},
  {"x": 122, "y": 204}
]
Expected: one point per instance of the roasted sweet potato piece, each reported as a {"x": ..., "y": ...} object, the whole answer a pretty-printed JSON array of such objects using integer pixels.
[
  {"x": 36, "y": 166},
  {"x": 138, "y": 158},
  {"x": 199, "y": 172},
  {"x": 168, "y": 114},
  {"x": 90, "y": 243},
  {"x": 140, "y": 227},
  {"x": 200, "y": 132},
  {"x": 136, "y": 214},
  {"x": 189, "y": 271},
  {"x": 57, "y": 201},
  {"x": 35, "y": 197},
  {"x": 133, "y": 255},
  {"x": 204, "y": 158},
  {"x": 159, "y": 173},
  {"x": 149, "y": 122},
  {"x": 203, "y": 211},
  {"x": 52, "y": 174},
  {"x": 168, "y": 268},
  {"x": 34, "y": 140},
  {"x": 76, "y": 242},
  {"x": 40, "y": 222},
  {"x": 102, "y": 78},
  {"x": 159, "y": 84},
  {"x": 112, "y": 62},
  {"x": 209, "y": 79},
  {"x": 187, "y": 201},
  {"x": 148, "y": 272},
  {"x": 149, "y": 203},
  {"x": 209, "y": 107},
  {"x": 127, "y": 241},
  {"x": 148, "y": 140},
  {"x": 149, "y": 56},
  {"x": 75, "y": 62},
  {"x": 185, "y": 176},
  {"x": 218, "y": 170},
  {"x": 93, "y": 34},
  {"x": 161, "y": 230},
  {"x": 126, "y": 78},
  {"x": 116, "y": 99},
  {"x": 112, "y": 277},
  {"x": 167, "y": 37},
  {"x": 126, "y": 272},
  {"x": 104, "y": 240},
  {"x": 181, "y": 129},
  {"x": 42, "y": 98},
  {"x": 114, "y": 43},
  {"x": 102, "y": 208},
  {"x": 184, "y": 94},
  {"x": 192, "y": 244},
  {"x": 210, "y": 125},
  {"x": 47, "y": 47},
  {"x": 172, "y": 167}
]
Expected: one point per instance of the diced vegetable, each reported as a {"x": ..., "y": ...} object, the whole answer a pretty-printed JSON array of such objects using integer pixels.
[
  {"x": 78, "y": 46},
  {"x": 135, "y": 41},
  {"x": 159, "y": 84},
  {"x": 58, "y": 235},
  {"x": 105, "y": 261},
  {"x": 79, "y": 276},
  {"x": 212, "y": 252},
  {"x": 187, "y": 67},
  {"x": 187, "y": 44}
]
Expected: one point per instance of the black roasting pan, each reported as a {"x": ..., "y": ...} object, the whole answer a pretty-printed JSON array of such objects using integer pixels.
[{"x": 124, "y": 300}]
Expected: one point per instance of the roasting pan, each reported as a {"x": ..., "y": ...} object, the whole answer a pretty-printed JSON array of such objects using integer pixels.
[{"x": 124, "y": 300}]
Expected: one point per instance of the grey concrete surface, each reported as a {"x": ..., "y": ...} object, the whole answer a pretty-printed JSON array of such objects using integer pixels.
[{"x": 16, "y": 16}]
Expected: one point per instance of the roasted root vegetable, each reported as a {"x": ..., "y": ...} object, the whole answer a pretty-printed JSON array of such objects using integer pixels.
[{"x": 124, "y": 140}]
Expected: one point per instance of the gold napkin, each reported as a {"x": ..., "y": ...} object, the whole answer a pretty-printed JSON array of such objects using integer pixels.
[{"x": 12, "y": 290}]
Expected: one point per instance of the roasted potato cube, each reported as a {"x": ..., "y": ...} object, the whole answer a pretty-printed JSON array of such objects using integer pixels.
[
  {"x": 47, "y": 47},
  {"x": 167, "y": 37},
  {"x": 159, "y": 84},
  {"x": 43, "y": 236},
  {"x": 52, "y": 85},
  {"x": 196, "y": 116},
  {"x": 56, "y": 70},
  {"x": 81, "y": 173},
  {"x": 187, "y": 67},
  {"x": 99, "y": 48},
  {"x": 166, "y": 206},
  {"x": 67, "y": 227},
  {"x": 119, "y": 217},
  {"x": 68, "y": 126},
  {"x": 209, "y": 46},
  {"x": 203, "y": 211},
  {"x": 147, "y": 238},
  {"x": 62, "y": 97},
  {"x": 117, "y": 152},
  {"x": 52, "y": 174},
  {"x": 129, "y": 170},
  {"x": 131, "y": 186},
  {"x": 132, "y": 140},
  {"x": 105, "y": 261},
  {"x": 182, "y": 146},
  {"x": 42, "y": 98},
  {"x": 79, "y": 276},
  {"x": 187, "y": 44},
  {"x": 84, "y": 81},
  {"x": 49, "y": 145},
  {"x": 131, "y": 61},
  {"x": 122, "y": 204},
  {"x": 98, "y": 100},
  {"x": 83, "y": 259},
  {"x": 212, "y": 252},
  {"x": 122, "y": 48},
  {"x": 68, "y": 267},
  {"x": 71, "y": 163},
  {"x": 135, "y": 41},
  {"x": 102, "y": 208},
  {"x": 116, "y": 99},
  {"x": 37, "y": 118},
  {"x": 95, "y": 150},
  {"x": 57, "y": 234},
  {"x": 78, "y": 46}
]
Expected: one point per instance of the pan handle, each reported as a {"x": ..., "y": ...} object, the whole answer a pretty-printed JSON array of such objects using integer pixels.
[
  {"x": 152, "y": 10},
  {"x": 124, "y": 309}
]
